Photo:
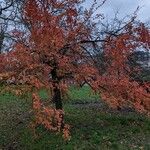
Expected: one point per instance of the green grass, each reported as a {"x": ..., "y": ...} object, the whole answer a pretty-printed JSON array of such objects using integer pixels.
[
  {"x": 82, "y": 95},
  {"x": 93, "y": 127}
]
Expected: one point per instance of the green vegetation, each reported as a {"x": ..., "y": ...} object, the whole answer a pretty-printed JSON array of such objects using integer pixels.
[
  {"x": 82, "y": 95},
  {"x": 93, "y": 125}
]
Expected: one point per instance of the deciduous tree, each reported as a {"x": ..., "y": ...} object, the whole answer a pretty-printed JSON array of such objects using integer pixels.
[{"x": 57, "y": 50}]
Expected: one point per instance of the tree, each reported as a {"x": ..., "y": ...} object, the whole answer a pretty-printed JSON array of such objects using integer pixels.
[
  {"x": 10, "y": 20},
  {"x": 56, "y": 49},
  {"x": 140, "y": 59}
]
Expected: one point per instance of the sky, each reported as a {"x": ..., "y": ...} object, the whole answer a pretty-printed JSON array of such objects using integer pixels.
[{"x": 125, "y": 7}]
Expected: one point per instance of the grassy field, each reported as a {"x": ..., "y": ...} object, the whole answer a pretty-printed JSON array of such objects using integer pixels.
[{"x": 93, "y": 125}]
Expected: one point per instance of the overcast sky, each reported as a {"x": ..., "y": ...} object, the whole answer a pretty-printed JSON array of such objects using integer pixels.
[{"x": 125, "y": 7}]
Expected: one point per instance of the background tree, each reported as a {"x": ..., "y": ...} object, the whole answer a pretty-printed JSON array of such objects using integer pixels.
[{"x": 10, "y": 20}]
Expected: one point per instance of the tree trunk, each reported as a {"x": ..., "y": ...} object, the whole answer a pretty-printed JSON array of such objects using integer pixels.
[
  {"x": 57, "y": 98},
  {"x": 57, "y": 94},
  {"x": 56, "y": 91}
]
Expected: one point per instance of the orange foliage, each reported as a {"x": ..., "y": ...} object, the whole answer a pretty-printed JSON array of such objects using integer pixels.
[
  {"x": 117, "y": 87},
  {"x": 49, "y": 117}
]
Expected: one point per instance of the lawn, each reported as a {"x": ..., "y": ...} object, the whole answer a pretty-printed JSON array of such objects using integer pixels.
[{"x": 93, "y": 125}]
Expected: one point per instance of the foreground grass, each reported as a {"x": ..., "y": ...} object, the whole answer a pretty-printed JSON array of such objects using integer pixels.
[{"x": 93, "y": 127}]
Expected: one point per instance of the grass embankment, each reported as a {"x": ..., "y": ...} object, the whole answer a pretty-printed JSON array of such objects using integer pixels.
[{"x": 93, "y": 126}]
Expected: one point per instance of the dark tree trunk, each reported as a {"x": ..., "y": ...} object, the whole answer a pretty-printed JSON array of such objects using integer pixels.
[
  {"x": 57, "y": 98},
  {"x": 57, "y": 94},
  {"x": 56, "y": 91}
]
